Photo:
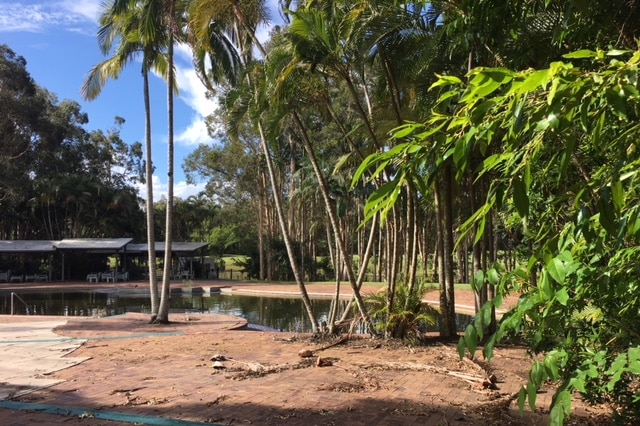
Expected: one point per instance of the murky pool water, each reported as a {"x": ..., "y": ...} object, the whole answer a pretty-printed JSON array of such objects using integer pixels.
[{"x": 283, "y": 314}]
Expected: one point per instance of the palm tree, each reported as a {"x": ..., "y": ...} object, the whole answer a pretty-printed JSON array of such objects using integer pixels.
[
  {"x": 214, "y": 24},
  {"x": 123, "y": 22},
  {"x": 169, "y": 14}
]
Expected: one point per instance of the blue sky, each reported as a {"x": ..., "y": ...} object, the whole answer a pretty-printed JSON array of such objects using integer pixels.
[{"x": 58, "y": 40}]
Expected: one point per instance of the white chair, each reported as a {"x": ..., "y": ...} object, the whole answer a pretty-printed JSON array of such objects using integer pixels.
[
  {"x": 109, "y": 276},
  {"x": 93, "y": 277}
]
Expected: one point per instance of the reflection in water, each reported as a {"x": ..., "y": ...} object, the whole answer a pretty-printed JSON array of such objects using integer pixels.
[{"x": 284, "y": 314}]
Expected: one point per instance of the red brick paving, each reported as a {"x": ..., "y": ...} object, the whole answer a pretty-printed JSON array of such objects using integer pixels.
[{"x": 165, "y": 371}]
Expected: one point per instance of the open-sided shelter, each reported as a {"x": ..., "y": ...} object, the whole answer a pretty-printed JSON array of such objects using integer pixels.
[
  {"x": 81, "y": 256},
  {"x": 185, "y": 253},
  {"x": 28, "y": 260}
]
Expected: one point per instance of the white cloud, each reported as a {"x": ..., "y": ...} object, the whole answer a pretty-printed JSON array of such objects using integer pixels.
[
  {"x": 89, "y": 9},
  {"x": 195, "y": 134},
  {"x": 184, "y": 190},
  {"x": 194, "y": 94},
  {"x": 181, "y": 189},
  {"x": 39, "y": 16}
]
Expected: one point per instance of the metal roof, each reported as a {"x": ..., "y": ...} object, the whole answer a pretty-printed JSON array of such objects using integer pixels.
[
  {"x": 100, "y": 244},
  {"x": 27, "y": 246},
  {"x": 176, "y": 247},
  {"x": 93, "y": 245}
]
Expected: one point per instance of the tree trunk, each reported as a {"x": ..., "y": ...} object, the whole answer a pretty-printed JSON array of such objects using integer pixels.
[
  {"x": 413, "y": 237},
  {"x": 163, "y": 310},
  {"x": 447, "y": 295},
  {"x": 151, "y": 235},
  {"x": 285, "y": 234},
  {"x": 324, "y": 189}
]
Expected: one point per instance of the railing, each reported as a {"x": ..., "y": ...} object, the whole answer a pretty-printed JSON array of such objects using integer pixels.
[
  {"x": 14, "y": 295},
  {"x": 232, "y": 275}
]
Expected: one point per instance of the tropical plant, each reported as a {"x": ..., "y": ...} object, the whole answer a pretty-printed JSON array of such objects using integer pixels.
[
  {"x": 240, "y": 20},
  {"x": 410, "y": 316},
  {"x": 130, "y": 26},
  {"x": 579, "y": 312}
]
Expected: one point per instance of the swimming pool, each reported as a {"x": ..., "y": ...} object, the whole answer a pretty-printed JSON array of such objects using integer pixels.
[{"x": 277, "y": 313}]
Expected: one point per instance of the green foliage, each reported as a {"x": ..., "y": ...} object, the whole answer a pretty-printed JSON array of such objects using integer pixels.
[
  {"x": 220, "y": 239},
  {"x": 59, "y": 180},
  {"x": 583, "y": 312},
  {"x": 560, "y": 151},
  {"x": 408, "y": 316}
]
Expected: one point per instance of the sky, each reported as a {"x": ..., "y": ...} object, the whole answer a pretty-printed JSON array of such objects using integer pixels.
[{"x": 58, "y": 40}]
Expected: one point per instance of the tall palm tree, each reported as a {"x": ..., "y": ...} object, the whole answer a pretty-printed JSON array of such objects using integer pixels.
[
  {"x": 123, "y": 23},
  {"x": 170, "y": 13},
  {"x": 214, "y": 24}
]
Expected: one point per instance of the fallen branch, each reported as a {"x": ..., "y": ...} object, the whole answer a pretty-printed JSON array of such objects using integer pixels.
[
  {"x": 484, "y": 381},
  {"x": 341, "y": 340}
]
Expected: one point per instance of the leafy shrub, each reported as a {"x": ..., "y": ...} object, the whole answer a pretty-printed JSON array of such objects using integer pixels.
[{"x": 409, "y": 316}]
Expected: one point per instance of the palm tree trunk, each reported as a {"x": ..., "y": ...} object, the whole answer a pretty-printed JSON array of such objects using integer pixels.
[
  {"x": 324, "y": 189},
  {"x": 151, "y": 235},
  {"x": 261, "y": 232},
  {"x": 334, "y": 307},
  {"x": 449, "y": 312},
  {"x": 163, "y": 310},
  {"x": 444, "y": 213},
  {"x": 285, "y": 234}
]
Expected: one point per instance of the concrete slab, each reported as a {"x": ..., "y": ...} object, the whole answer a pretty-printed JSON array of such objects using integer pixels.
[{"x": 29, "y": 351}]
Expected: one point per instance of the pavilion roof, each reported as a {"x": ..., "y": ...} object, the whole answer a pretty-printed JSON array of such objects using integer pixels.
[{"x": 27, "y": 246}]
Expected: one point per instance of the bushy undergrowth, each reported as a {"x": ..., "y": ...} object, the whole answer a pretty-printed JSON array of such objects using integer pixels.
[{"x": 408, "y": 317}]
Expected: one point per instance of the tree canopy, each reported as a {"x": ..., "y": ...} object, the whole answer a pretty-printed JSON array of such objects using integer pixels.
[{"x": 59, "y": 180}]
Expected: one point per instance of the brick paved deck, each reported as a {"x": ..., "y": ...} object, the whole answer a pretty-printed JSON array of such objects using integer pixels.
[{"x": 165, "y": 373}]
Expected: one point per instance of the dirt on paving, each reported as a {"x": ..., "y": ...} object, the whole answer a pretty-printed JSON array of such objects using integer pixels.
[{"x": 202, "y": 368}]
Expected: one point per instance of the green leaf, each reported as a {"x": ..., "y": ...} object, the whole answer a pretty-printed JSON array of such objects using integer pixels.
[
  {"x": 607, "y": 217},
  {"x": 484, "y": 83},
  {"x": 445, "y": 80},
  {"x": 617, "y": 195},
  {"x": 551, "y": 365},
  {"x": 520, "y": 197},
  {"x": 478, "y": 282},
  {"x": 537, "y": 374},
  {"x": 577, "y": 383},
  {"x": 617, "y": 103},
  {"x": 487, "y": 350},
  {"x": 562, "y": 296},
  {"x": 522, "y": 398},
  {"x": 555, "y": 83},
  {"x": 471, "y": 338},
  {"x": 497, "y": 300},
  {"x": 461, "y": 152},
  {"x": 532, "y": 396},
  {"x": 618, "y": 52},
  {"x": 496, "y": 160},
  {"x": 534, "y": 80},
  {"x": 580, "y": 54},
  {"x": 405, "y": 130},
  {"x": 492, "y": 276},
  {"x": 462, "y": 348},
  {"x": 545, "y": 287},
  {"x": 560, "y": 409},
  {"x": 557, "y": 269},
  {"x": 634, "y": 367}
]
